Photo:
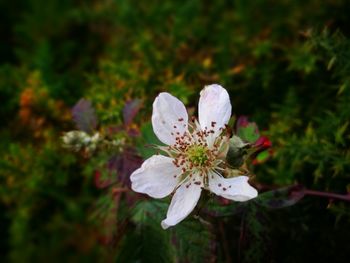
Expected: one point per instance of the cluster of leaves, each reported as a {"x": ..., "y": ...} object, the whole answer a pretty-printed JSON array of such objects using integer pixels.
[{"x": 286, "y": 66}]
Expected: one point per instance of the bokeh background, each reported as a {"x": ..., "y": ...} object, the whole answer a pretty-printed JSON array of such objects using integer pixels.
[{"x": 286, "y": 65}]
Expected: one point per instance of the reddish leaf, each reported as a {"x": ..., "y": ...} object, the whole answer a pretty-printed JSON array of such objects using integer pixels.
[
  {"x": 263, "y": 143},
  {"x": 247, "y": 131},
  {"x": 130, "y": 110},
  {"x": 84, "y": 116},
  {"x": 104, "y": 178},
  {"x": 124, "y": 164},
  {"x": 242, "y": 121}
]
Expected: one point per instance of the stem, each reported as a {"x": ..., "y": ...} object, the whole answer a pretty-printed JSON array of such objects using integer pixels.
[
  {"x": 117, "y": 190},
  {"x": 224, "y": 241},
  {"x": 327, "y": 195},
  {"x": 241, "y": 237},
  {"x": 343, "y": 197}
]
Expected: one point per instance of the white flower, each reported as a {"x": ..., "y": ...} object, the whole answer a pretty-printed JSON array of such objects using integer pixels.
[
  {"x": 196, "y": 155},
  {"x": 77, "y": 140}
]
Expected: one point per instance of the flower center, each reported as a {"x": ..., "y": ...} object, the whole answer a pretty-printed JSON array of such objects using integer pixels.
[
  {"x": 197, "y": 152},
  {"x": 198, "y": 155}
]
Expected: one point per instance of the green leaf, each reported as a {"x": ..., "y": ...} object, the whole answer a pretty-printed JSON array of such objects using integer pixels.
[
  {"x": 339, "y": 134},
  {"x": 148, "y": 138},
  {"x": 247, "y": 131},
  {"x": 193, "y": 241},
  {"x": 147, "y": 242},
  {"x": 262, "y": 157}
]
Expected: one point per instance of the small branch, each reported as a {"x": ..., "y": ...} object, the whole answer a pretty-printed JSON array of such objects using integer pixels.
[
  {"x": 343, "y": 197},
  {"x": 328, "y": 195},
  {"x": 117, "y": 190}
]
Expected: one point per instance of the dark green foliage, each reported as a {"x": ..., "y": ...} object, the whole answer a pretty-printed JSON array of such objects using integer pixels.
[
  {"x": 148, "y": 242},
  {"x": 195, "y": 241},
  {"x": 148, "y": 140}
]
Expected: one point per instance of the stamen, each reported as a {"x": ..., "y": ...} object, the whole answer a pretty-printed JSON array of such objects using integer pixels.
[{"x": 193, "y": 155}]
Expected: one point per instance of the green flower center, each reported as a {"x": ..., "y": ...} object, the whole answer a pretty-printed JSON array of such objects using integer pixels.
[{"x": 198, "y": 155}]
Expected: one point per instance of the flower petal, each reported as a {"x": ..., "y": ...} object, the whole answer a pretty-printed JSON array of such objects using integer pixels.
[
  {"x": 236, "y": 188},
  {"x": 156, "y": 177},
  {"x": 214, "y": 108},
  {"x": 169, "y": 118},
  {"x": 184, "y": 201}
]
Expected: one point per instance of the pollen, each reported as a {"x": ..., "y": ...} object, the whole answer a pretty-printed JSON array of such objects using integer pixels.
[{"x": 198, "y": 155}]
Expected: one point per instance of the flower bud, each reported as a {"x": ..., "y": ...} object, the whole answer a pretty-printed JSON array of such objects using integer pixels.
[
  {"x": 237, "y": 152},
  {"x": 77, "y": 140}
]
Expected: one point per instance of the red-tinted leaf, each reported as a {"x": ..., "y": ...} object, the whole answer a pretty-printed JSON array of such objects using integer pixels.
[
  {"x": 124, "y": 164},
  {"x": 247, "y": 131},
  {"x": 263, "y": 143},
  {"x": 130, "y": 110},
  {"x": 115, "y": 129},
  {"x": 242, "y": 121},
  {"x": 133, "y": 131},
  {"x": 104, "y": 178},
  {"x": 84, "y": 116}
]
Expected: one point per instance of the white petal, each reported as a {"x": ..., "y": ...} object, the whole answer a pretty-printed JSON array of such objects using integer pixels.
[
  {"x": 184, "y": 201},
  {"x": 214, "y": 108},
  {"x": 156, "y": 177},
  {"x": 169, "y": 118},
  {"x": 236, "y": 188}
]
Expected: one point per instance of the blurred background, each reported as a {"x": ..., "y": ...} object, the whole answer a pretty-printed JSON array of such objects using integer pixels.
[{"x": 286, "y": 65}]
